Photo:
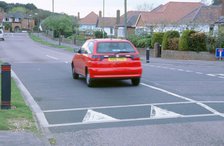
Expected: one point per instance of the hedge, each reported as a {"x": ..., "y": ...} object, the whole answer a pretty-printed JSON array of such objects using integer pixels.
[
  {"x": 157, "y": 37},
  {"x": 197, "y": 42},
  {"x": 166, "y": 38},
  {"x": 140, "y": 42},
  {"x": 185, "y": 40}
]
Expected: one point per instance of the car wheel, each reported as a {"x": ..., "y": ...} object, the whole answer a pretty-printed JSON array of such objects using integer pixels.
[
  {"x": 135, "y": 81},
  {"x": 89, "y": 81},
  {"x": 74, "y": 74}
]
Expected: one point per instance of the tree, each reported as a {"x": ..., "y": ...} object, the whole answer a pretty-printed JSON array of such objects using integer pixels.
[
  {"x": 61, "y": 24},
  {"x": 19, "y": 9},
  {"x": 216, "y": 2}
]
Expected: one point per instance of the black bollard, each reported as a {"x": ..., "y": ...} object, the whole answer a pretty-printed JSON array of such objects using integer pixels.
[
  {"x": 147, "y": 55},
  {"x": 6, "y": 86}
]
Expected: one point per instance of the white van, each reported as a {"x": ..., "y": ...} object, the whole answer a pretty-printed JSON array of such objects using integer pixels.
[{"x": 2, "y": 35}]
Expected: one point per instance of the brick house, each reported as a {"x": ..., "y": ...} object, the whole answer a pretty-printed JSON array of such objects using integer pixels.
[{"x": 19, "y": 21}]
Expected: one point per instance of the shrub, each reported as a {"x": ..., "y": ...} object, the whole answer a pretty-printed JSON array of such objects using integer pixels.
[
  {"x": 210, "y": 44},
  {"x": 139, "y": 41},
  {"x": 184, "y": 40},
  {"x": 173, "y": 44},
  {"x": 198, "y": 42},
  {"x": 219, "y": 41},
  {"x": 134, "y": 39},
  {"x": 99, "y": 34},
  {"x": 157, "y": 37},
  {"x": 143, "y": 43},
  {"x": 167, "y": 36}
]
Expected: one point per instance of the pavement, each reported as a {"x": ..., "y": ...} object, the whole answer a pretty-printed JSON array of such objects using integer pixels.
[
  {"x": 25, "y": 138},
  {"x": 9, "y": 138}
]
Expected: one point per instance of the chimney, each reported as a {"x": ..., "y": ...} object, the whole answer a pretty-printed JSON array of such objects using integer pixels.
[
  {"x": 222, "y": 11},
  {"x": 100, "y": 14},
  {"x": 118, "y": 17},
  {"x": 78, "y": 16}
]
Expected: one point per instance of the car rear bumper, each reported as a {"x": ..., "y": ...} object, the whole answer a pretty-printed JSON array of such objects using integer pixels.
[{"x": 122, "y": 72}]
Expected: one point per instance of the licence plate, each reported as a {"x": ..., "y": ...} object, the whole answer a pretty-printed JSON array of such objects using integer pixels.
[{"x": 117, "y": 59}]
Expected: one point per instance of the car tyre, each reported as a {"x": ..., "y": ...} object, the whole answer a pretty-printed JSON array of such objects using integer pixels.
[
  {"x": 135, "y": 81},
  {"x": 89, "y": 81},
  {"x": 74, "y": 74}
]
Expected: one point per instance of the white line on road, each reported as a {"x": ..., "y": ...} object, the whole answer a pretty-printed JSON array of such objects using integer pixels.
[
  {"x": 119, "y": 106},
  {"x": 52, "y": 57},
  {"x": 185, "y": 98},
  {"x": 129, "y": 120}
]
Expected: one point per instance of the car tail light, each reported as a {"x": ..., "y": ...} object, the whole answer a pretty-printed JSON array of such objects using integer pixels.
[
  {"x": 97, "y": 57},
  {"x": 135, "y": 57}
]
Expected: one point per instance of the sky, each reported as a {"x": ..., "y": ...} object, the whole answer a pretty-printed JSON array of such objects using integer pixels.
[{"x": 72, "y": 7}]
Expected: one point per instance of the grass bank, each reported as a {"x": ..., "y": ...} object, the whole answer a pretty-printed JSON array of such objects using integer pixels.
[
  {"x": 19, "y": 117},
  {"x": 43, "y": 42}
]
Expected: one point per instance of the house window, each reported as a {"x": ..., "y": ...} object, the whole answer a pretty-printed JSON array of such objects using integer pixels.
[{"x": 17, "y": 20}]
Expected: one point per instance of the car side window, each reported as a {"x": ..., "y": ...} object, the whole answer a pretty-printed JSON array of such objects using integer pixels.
[{"x": 90, "y": 47}]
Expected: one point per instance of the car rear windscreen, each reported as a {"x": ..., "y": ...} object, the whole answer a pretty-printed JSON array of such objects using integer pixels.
[{"x": 115, "y": 47}]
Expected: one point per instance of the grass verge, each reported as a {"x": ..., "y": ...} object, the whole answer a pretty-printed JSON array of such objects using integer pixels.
[
  {"x": 43, "y": 42},
  {"x": 19, "y": 117}
]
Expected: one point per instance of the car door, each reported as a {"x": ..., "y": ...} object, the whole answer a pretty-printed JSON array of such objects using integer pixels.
[{"x": 87, "y": 50}]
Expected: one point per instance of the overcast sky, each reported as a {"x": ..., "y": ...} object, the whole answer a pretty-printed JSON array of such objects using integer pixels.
[{"x": 72, "y": 7}]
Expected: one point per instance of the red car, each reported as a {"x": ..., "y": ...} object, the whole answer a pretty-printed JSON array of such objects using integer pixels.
[{"x": 107, "y": 59}]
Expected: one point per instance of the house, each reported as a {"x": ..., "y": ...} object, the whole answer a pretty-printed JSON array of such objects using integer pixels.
[
  {"x": 165, "y": 17},
  {"x": 203, "y": 19},
  {"x": 89, "y": 22},
  {"x": 107, "y": 24},
  {"x": 18, "y": 21},
  {"x": 2, "y": 14},
  {"x": 132, "y": 17}
]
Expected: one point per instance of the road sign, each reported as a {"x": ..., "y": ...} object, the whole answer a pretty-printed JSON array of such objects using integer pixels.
[{"x": 219, "y": 53}]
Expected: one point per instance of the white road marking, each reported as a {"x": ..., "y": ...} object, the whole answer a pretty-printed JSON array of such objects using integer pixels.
[
  {"x": 200, "y": 73},
  {"x": 159, "y": 113},
  {"x": 126, "y": 120},
  {"x": 93, "y": 116},
  {"x": 221, "y": 76},
  {"x": 211, "y": 75},
  {"x": 185, "y": 98},
  {"x": 111, "y": 107},
  {"x": 52, "y": 57}
]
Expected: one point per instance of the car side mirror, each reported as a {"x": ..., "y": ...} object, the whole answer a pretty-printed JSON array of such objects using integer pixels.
[{"x": 78, "y": 50}]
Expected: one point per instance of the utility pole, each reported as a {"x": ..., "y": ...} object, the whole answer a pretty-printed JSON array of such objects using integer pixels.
[
  {"x": 52, "y": 6},
  {"x": 103, "y": 16},
  {"x": 125, "y": 19}
]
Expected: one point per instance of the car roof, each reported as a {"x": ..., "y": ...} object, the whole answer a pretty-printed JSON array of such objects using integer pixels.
[{"x": 109, "y": 40}]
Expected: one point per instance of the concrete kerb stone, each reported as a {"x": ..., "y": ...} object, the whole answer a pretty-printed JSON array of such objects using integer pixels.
[{"x": 40, "y": 119}]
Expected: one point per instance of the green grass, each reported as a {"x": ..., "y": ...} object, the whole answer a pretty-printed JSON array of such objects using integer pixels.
[
  {"x": 39, "y": 40},
  {"x": 19, "y": 117}
]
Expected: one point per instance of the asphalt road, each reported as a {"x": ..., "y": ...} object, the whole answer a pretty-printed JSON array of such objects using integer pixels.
[{"x": 177, "y": 102}]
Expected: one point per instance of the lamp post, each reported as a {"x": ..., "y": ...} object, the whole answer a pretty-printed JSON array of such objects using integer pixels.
[{"x": 125, "y": 19}]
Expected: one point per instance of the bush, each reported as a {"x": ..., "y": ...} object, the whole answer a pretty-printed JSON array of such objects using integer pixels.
[
  {"x": 144, "y": 43},
  {"x": 173, "y": 44},
  {"x": 210, "y": 44},
  {"x": 157, "y": 37},
  {"x": 167, "y": 36},
  {"x": 198, "y": 42},
  {"x": 219, "y": 41},
  {"x": 99, "y": 34},
  {"x": 185, "y": 40},
  {"x": 134, "y": 39},
  {"x": 140, "y": 42}
]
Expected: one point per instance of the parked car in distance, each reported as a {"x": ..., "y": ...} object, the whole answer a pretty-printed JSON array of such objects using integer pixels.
[
  {"x": 107, "y": 59},
  {"x": 2, "y": 35}
]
